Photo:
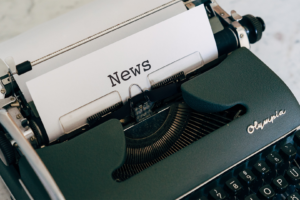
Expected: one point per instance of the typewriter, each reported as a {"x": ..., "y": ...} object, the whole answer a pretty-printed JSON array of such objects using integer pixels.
[{"x": 225, "y": 130}]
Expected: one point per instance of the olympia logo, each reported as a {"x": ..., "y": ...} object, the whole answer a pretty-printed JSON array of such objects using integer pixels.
[{"x": 261, "y": 125}]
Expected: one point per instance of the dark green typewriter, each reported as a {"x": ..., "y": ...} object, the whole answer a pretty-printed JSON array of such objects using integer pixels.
[{"x": 226, "y": 130}]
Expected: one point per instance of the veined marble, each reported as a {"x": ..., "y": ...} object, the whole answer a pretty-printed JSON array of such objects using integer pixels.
[
  {"x": 279, "y": 47},
  {"x": 17, "y": 16}
]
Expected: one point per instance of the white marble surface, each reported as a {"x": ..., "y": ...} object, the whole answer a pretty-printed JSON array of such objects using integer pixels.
[{"x": 279, "y": 47}]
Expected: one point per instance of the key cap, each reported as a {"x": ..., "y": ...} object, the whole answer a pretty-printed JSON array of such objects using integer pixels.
[
  {"x": 234, "y": 187},
  {"x": 217, "y": 194},
  {"x": 297, "y": 138},
  {"x": 294, "y": 196},
  {"x": 266, "y": 192},
  {"x": 288, "y": 152},
  {"x": 293, "y": 175},
  {"x": 247, "y": 178},
  {"x": 252, "y": 197},
  {"x": 202, "y": 198},
  {"x": 279, "y": 184},
  {"x": 262, "y": 170},
  {"x": 274, "y": 160}
]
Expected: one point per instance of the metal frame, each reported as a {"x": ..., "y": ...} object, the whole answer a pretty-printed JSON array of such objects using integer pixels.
[
  {"x": 241, "y": 32},
  {"x": 32, "y": 157}
]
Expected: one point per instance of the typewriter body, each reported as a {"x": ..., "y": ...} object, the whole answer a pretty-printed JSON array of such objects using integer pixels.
[{"x": 225, "y": 130}]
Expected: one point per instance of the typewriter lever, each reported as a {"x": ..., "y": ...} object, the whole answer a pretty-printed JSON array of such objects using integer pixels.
[{"x": 141, "y": 110}]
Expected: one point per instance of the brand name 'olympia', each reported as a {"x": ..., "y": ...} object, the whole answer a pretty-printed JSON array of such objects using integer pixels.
[
  {"x": 262, "y": 124},
  {"x": 127, "y": 74}
]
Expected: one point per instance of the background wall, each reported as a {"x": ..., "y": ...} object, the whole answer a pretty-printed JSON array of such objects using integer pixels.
[{"x": 279, "y": 47}]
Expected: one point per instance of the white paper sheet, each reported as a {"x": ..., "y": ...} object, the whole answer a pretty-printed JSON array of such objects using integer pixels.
[
  {"x": 79, "y": 82},
  {"x": 76, "y": 25}
]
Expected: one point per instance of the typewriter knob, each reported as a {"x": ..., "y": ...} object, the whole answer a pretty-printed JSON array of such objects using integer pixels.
[
  {"x": 7, "y": 153},
  {"x": 254, "y": 26},
  {"x": 34, "y": 125}
]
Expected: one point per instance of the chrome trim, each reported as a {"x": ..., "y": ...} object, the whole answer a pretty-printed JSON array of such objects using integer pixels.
[
  {"x": 7, "y": 101},
  {"x": 97, "y": 35},
  {"x": 2, "y": 90},
  {"x": 6, "y": 81},
  {"x": 190, "y": 1},
  {"x": 25, "y": 188},
  {"x": 32, "y": 157},
  {"x": 11, "y": 195},
  {"x": 202, "y": 184},
  {"x": 190, "y": 5},
  {"x": 220, "y": 11},
  {"x": 15, "y": 113},
  {"x": 236, "y": 16},
  {"x": 242, "y": 35}
]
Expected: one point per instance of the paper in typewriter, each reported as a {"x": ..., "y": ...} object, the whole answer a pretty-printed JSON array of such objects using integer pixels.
[{"x": 128, "y": 61}]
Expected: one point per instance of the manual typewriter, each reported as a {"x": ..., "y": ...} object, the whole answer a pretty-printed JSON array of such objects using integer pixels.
[{"x": 227, "y": 130}]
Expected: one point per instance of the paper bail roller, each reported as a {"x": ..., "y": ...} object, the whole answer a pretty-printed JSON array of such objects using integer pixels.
[
  {"x": 78, "y": 118},
  {"x": 181, "y": 67}
]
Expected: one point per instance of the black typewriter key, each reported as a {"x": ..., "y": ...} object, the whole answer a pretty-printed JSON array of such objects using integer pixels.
[
  {"x": 262, "y": 171},
  {"x": 202, "y": 198},
  {"x": 247, "y": 178},
  {"x": 274, "y": 160},
  {"x": 297, "y": 138},
  {"x": 252, "y": 197},
  {"x": 293, "y": 175},
  {"x": 266, "y": 192},
  {"x": 217, "y": 194},
  {"x": 279, "y": 184},
  {"x": 288, "y": 152},
  {"x": 294, "y": 196},
  {"x": 234, "y": 187}
]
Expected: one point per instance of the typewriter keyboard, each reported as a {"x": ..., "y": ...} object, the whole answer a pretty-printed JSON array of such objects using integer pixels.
[{"x": 273, "y": 174}]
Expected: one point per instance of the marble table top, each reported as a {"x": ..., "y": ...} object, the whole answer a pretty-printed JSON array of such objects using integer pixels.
[{"x": 279, "y": 47}]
